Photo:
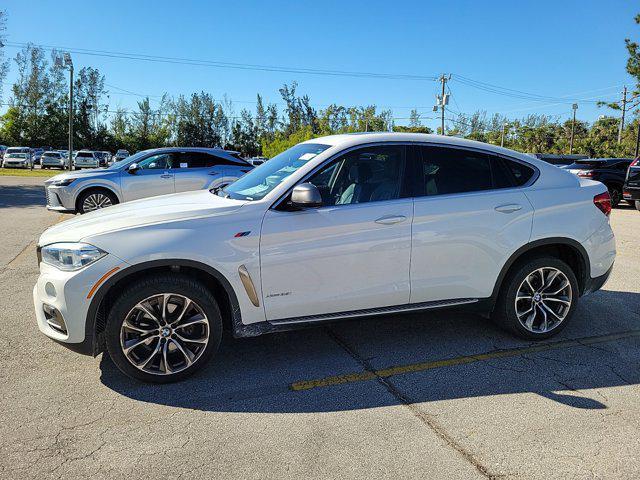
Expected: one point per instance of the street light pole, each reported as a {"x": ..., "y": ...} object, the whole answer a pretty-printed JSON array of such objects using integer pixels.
[
  {"x": 573, "y": 127},
  {"x": 69, "y": 63}
]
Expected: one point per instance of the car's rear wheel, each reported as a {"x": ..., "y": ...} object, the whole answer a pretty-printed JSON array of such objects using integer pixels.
[
  {"x": 163, "y": 329},
  {"x": 95, "y": 200},
  {"x": 616, "y": 195},
  {"x": 538, "y": 298}
]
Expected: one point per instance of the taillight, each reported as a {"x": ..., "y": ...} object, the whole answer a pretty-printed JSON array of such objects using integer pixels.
[
  {"x": 587, "y": 174},
  {"x": 635, "y": 163},
  {"x": 603, "y": 202}
]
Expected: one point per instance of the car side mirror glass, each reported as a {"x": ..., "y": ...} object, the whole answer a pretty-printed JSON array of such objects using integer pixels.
[
  {"x": 306, "y": 195},
  {"x": 133, "y": 168}
]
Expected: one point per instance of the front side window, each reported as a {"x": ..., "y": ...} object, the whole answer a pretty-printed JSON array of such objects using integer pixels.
[
  {"x": 370, "y": 174},
  {"x": 161, "y": 161},
  {"x": 256, "y": 184}
]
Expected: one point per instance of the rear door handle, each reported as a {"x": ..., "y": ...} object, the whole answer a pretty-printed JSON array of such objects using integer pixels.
[
  {"x": 166, "y": 175},
  {"x": 510, "y": 208},
  {"x": 391, "y": 219}
]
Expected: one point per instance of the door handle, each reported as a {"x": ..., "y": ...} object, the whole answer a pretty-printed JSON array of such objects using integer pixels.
[
  {"x": 391, "y": 219},
  {"x": 215, "y": 172},
  {"x": 166, "y": 175},
  {"x": 510, "y": 208}
]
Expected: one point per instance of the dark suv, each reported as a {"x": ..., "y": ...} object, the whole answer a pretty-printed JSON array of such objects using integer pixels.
[
  {"x": 631, "y": 189},
  {"x": 610, "y": 171}
]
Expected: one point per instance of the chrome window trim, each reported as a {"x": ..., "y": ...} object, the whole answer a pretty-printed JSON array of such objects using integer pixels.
[{"x": 536, "y": 171}]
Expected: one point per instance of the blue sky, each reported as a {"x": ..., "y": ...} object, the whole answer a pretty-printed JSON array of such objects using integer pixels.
[{"x": 550, "y": 48}]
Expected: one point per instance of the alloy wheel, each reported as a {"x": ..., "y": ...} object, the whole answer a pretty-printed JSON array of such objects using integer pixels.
[
  {"x": 543, "y": 300},
  {"x": 164, "y": 334},
  {"x": 95, "y": 201}
]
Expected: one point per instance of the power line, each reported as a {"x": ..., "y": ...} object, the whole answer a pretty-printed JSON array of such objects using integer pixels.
[
  {"x": 509, "y": 92},
  {"x": 220, "y": 64}
]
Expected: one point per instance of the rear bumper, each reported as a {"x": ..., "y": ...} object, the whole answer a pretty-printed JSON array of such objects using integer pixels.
[
  {"x": 595, "y": 284},
  {"x": 631, "y": 193}
]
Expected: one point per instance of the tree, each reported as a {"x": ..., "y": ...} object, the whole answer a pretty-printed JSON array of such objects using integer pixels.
[{"x": 414, "y": 119}]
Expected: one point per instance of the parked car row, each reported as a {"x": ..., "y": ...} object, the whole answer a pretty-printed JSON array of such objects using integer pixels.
[{"x": 333, "y": 228}]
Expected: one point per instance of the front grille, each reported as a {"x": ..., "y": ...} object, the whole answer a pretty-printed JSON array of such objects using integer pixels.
[{"x": 46, "y": 191}]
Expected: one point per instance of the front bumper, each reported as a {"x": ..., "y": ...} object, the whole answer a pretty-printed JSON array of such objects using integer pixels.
[
  {"x": 60, "y": 199},
  {"x": 12, "y": 164},
  {"x": 67, "y": 293}
]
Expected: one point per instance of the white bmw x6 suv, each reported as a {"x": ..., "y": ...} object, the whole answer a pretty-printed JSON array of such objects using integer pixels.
[{"x": 334, "y": 228}]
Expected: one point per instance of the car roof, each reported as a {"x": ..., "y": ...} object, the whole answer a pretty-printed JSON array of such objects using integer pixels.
[{"x": 354, "y": 139}]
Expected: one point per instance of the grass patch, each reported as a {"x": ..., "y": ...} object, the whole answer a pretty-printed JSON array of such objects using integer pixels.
[{"x": 25, "y": 172}]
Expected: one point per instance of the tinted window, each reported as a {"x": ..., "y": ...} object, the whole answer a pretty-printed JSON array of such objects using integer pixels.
[
  {"x": 519, "y": 173},
  {"x": 196, "y": 160},
  {"x": 84, "y": 155},
  {"x": 365, "y": 175},
  {"x": 444, "y": 171}
]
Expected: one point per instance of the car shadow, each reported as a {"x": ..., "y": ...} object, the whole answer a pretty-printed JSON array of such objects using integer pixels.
[
  {"x": 17, "y": 196},
  {"x": 256, "y": 374}
]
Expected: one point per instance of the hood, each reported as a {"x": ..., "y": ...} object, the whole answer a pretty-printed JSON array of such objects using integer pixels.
[
  {"x": 91, "y": 172},
  {"x": 160, "y": 209}
]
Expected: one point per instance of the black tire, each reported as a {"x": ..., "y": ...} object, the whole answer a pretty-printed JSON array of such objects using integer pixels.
[
  {"x": 80, "y": 206},
  {"x": 638, "y": 205},
  {"x": 504, "y": 313},
  {"x": 616, "y": 195},
  {"x": 145, "y": 288}
]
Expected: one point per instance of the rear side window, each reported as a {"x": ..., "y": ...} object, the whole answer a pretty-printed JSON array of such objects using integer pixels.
[
  {"x": 517, "y": 173},
  {"x": 203, "y": 160},
  {"x": 443, "y": 171}
]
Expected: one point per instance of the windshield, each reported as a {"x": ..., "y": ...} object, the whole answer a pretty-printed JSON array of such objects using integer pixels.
[
  {"x": 256, "y": 184},
  {"x": 17, "y": 155}
]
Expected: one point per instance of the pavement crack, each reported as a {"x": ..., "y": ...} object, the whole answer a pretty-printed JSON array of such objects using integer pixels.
[{"x": 410, "y": 404}]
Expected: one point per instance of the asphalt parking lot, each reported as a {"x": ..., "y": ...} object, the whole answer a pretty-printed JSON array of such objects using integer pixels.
[{"x": 438, "y": 396}]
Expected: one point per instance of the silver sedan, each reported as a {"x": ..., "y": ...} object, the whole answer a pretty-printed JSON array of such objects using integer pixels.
[{"x": 148, "y": 173}]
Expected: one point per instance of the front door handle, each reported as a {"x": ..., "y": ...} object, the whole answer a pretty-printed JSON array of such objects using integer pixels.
[
  {"x": 391, "y": 219},
  {"x": 510, "y": 208},
  {"x": 166, "y": 175}
]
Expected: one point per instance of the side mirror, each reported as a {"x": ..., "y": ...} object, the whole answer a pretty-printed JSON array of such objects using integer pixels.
[
  {"x": 306, "y": 195},
  {"x": 133, "y": 168}
]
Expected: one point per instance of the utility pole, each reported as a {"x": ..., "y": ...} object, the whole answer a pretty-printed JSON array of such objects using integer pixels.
[
  {"x": 69, "y": 63},
  {"x": 443, "y": 100},
  {"x": 637, "y": 142},
  {"x": 573, "y": 127},
  {"x": 624, "y": 110},
  {"x": 502, "y": 136}
]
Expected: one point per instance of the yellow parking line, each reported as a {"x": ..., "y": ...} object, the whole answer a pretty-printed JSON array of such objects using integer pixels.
[{"x": 449, "y": 362}]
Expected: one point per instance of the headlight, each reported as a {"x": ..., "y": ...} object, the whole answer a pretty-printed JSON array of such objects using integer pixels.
[
  {"x": 71, "y": 256},
  {"x": 62, "y": 183}
]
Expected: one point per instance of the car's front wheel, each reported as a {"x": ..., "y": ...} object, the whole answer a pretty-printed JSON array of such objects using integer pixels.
[
  {"x": 95, "y": 200},
  {"x": 163, "y": 329},
  {"x": 538, "y": 298}
]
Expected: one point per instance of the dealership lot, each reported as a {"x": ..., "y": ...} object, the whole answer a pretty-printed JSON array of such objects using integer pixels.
[{"x": 413, "y": 396}]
